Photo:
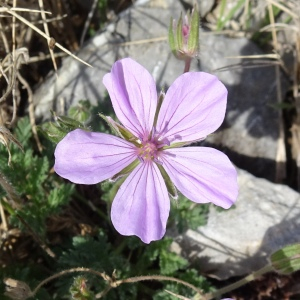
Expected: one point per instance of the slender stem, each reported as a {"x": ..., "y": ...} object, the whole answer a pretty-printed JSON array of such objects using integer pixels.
[
  {"x": 159, "y": 103},
  {"x": 73, "y": 270},
  {"x": 187, "y": 65},
  {"x": 158, "y": 278},
  {"x": 237, "y": 284}
]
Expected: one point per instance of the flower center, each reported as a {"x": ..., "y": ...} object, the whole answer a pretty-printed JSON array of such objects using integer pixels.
[{"x": 148, "y": 151}]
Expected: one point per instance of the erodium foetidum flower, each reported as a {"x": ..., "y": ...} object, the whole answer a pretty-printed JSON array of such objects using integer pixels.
[{"x": 148, "y": 148}]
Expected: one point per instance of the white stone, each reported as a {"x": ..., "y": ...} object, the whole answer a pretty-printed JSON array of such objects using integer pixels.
[{"x": 240, "y": 240}]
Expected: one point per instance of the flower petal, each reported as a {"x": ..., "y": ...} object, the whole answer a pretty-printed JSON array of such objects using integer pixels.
[
  {"x": 133, "y": 94},
  {"x": 90, "y": 157},
  {"x": 202, "y": 174},
  {"x": 194, "y": 107},
  {"x": 141, "y": 206}
]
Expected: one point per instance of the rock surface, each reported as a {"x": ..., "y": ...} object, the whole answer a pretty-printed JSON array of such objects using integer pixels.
[
  {"x": 239, "y": 241},
  {"x": 204, "y": 7},
  {"x": 250, "y": 131}
]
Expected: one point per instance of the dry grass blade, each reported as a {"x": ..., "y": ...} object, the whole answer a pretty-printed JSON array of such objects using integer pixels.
[
  {"x": 3, "y": 219},
  {"x": 5, "y": 138},
  {"x": 4, "y": 39},
  {"x": 278, "y": 26},
  {"x": 281, "y": 151},
  {"x": 152, "y": 40},
  {"x": 38, "y": 240},
  {"x": 295, "y": 128},
  {"x": 40, "y": 32},
  {"x": 245, "y": 14},
  {"x": 49, "y": 20},
  {"x": 283, "y": 8},
  {"x": 13, "y": 33},
  {"x": 50, "y": 42},
  {"x": 274, "y": 56},
  {"x": 177, "y": 295},
  {"x": 5, "y": 8},
  {"x": 31, "y": 110},
  {"x": 42, "y": 57},
  {"x": 20, "y": 55},
  {"x": 16, "y": 58},
  {"x": 249, "y": 64},
  {"x": 88, "y": 21},
  {"x": 13, "y": 197}
]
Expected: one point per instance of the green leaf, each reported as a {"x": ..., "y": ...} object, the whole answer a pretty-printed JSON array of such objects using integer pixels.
[
  {"x": 80, "y": 112},
  {"x": 179, "y": 40},
  {"x": 119, "y": 130},
  {"x": 170, "y": 186},
  {"x": 59, "y": 196},
  {"x": 193, "y": 41},
  {"x": 171, "y": 36},
  {"x": 126, "y": 170},
  {"x": 52, "y": 132},
  {"x": 23, "y": 131},
  {"x": 223, "y": 20},
  {"x": 55, "y": 132},
  {"x": 287, "y": 259},
  {"x": 187, "y": 214},
  {"x": 67, "y": 123},
  {"x": 159, "y": 103},
  {"x": 170, "y": 262}
]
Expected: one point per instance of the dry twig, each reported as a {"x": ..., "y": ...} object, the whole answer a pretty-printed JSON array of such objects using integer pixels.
[{"x": 281, "y": 152}]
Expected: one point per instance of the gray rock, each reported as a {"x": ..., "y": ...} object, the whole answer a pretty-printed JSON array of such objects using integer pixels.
[
  {"x": 204, "y": 6},
  {"x": 249, "y": 133},
  {"x": 239, "y": 241}
]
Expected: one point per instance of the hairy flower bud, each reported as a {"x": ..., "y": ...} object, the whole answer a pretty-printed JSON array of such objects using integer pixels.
[
  {"x": 184, "y": 35},
  {"x": 79, "y": 289}
]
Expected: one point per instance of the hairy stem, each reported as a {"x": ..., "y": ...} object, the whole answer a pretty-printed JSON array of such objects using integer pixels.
[
  {"x": 187, "y": 64},
  {"x": 65, "y": 272},
  {"x": 237, "y": 284},
  {"x": 158, "y": 278}
]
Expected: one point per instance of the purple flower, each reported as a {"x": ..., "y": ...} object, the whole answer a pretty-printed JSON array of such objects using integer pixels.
[{"x": 193, "y": 107}]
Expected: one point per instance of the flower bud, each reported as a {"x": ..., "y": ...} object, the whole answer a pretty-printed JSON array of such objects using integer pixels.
[
  {"x": 184, "y": 36},
  {"x": 56, "y": 131},
  {"x": 79, "y": 289},
  {"x": 17, "y": 290}
]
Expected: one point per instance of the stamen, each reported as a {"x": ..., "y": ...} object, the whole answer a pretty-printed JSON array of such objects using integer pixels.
[
  {"x": 158, "y": 161},
  {"x": 164, "y": 142}
]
